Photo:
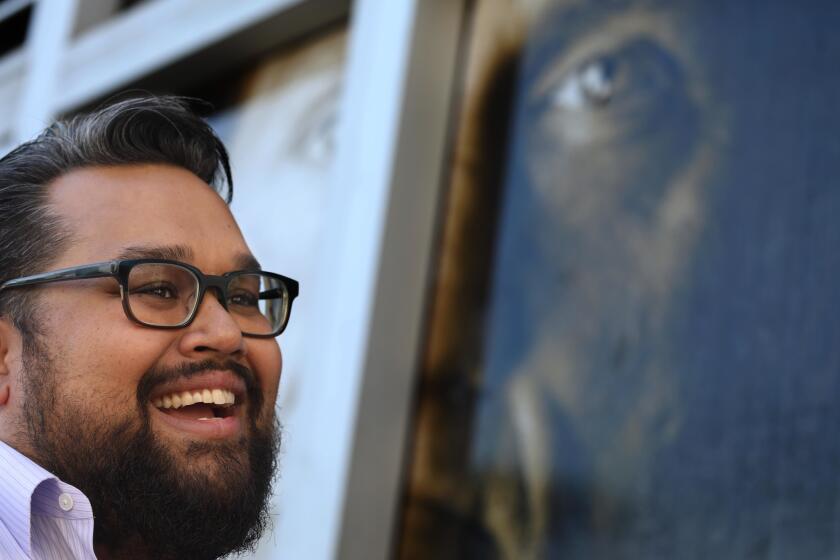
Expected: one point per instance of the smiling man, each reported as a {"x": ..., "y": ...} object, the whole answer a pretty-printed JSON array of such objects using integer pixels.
[{"x": 138, "y": 360}]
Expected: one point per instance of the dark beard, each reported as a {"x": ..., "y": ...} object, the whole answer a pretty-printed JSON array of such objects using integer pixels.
[{"x": 143, "y": 504}]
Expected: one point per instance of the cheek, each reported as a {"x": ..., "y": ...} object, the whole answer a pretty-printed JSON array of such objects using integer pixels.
[
  {"x": 104, "y": 362},
  {"x": 267, "y": 363}
]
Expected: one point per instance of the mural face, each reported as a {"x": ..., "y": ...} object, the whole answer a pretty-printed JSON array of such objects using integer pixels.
[
  {"x": 659, "y": 359},
  {"x": 280, "y": 131}
]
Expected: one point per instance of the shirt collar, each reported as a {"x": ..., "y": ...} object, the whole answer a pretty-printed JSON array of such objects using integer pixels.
[{"x": 28, "y": 489}]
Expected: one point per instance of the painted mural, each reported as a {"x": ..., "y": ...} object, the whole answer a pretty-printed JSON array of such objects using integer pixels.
[{"x": 634, "y": 350}]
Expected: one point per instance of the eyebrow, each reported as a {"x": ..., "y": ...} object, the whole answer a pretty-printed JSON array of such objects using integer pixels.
[
  {"x": 168, "y": 252},
  {"x": 246, "y": 261},
  {"x": 561, "y": 27},
  {"x": 242, "y": 261}
]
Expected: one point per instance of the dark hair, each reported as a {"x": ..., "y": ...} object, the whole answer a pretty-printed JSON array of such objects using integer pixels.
[{"x": 141, "y": 130}]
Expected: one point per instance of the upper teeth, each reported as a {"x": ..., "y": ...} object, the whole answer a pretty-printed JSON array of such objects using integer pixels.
[{"x": 186, "y": 398}]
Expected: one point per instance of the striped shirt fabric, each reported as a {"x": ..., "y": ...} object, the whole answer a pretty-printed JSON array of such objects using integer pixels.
[{"x": 41, "y": 517}]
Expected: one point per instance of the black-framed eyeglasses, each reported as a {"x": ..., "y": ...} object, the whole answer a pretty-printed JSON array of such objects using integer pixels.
[{"x": 166, "y": 294}]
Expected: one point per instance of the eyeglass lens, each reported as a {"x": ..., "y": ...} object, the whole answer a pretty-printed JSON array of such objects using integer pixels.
[{"x": 164, "y": 295}]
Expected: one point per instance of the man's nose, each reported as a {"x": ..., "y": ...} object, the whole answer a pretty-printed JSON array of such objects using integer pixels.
[{"x": 214, "y": 329}]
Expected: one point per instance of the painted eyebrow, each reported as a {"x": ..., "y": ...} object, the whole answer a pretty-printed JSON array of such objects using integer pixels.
[{"x": 242, "y": 261}]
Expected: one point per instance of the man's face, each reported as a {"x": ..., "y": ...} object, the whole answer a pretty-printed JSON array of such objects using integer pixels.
[{"x": 91, "y": 376}]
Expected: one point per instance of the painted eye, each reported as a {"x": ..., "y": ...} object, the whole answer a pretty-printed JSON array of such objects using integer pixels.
[
  {"x": 634, "y": 75},
  {"x": 315, "y": 140},
  {"x": 609, "y": 95},
  {"x": 319, "y": 142},
  {"x": 590, "y": 85}
]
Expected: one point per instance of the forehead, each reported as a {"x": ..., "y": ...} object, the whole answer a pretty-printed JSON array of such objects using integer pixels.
[{"x": 108, "y": 209}]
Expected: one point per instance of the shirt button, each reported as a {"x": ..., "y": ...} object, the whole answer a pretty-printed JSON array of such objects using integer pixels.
[{"x": 65, "y": 502}]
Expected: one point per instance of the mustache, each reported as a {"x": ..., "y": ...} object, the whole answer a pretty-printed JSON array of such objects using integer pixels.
[{"x": 159, "y": 375}]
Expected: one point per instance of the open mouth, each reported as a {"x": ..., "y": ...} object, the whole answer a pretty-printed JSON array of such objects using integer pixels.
[
  {"x": 205, "y": 404},
  {"x": 204, "y": 412}
]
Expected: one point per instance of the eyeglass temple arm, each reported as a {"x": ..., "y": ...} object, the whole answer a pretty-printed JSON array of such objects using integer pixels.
[{"x": 96, "y": 270}]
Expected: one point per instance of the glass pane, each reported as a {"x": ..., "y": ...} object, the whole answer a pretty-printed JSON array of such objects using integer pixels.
[
  {"x": 258, "y": 302},
  {"x": 274, "y": 302},
  {"x": 161, "y": 294},
  {"x": 13, "y": 27},
  {"x": 634, "y": 344}
]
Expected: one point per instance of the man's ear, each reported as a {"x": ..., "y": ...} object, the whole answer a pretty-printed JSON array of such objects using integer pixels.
[{"x": 7, "y": 334}]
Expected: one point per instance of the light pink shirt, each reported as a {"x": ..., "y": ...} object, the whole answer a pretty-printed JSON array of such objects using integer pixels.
[{"x": 41, "y": 517}]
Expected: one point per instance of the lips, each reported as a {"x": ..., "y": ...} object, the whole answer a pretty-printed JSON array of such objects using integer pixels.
[{"x": 205, "y": 405}]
